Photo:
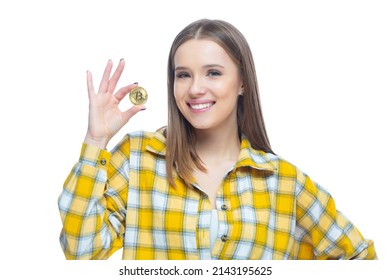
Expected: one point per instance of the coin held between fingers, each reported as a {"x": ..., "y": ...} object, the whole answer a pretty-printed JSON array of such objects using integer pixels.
[{"x": 138, "y": 96}]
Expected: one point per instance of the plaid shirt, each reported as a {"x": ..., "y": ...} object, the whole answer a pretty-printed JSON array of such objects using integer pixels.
[{"x": 267, "y": 209}]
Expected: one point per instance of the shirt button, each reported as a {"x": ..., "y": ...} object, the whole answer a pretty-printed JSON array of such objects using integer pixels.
[
  {"x": 224, "y": 207},
  {"x": 224, "y": 238},
  {"x": 103, "y": 161}
]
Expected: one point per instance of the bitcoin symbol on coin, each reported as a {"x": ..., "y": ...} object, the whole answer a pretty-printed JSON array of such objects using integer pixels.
[{"x": 138, "y": 96}]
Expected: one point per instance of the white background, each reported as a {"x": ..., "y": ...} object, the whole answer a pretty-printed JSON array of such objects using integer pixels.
[{"x": 323, "y": 69}]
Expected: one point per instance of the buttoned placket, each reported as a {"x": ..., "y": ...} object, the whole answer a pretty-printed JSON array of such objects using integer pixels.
[
  {"x": 203, "y": 230},
  {"x": 222, "y": 206}
]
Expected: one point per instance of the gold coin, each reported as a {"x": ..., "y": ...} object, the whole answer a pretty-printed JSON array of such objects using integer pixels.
[{"x": 138, "y": 96}]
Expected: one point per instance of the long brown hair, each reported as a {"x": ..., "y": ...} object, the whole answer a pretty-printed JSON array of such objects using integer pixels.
[{"x": 180, "y": 134}]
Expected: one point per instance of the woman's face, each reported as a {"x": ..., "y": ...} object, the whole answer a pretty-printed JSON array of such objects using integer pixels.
[{"x": 207, "y": 85}]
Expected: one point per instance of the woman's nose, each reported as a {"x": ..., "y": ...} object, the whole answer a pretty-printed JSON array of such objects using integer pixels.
[{"x": 197, "y": 87}]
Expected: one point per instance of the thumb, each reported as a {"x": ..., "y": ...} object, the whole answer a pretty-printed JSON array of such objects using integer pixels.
[{"x": 128, "y": 114}]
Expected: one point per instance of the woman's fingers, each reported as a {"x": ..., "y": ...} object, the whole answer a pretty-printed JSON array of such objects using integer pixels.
[
  {"x": 132, "y": 111},
  {"x": 107, "y": 84},
  {"x": 115, "y": 77},
  {"x": 106, "y": 77},
  {"x": 91, "y": 90},
  {"x": 122, "y": 92}
]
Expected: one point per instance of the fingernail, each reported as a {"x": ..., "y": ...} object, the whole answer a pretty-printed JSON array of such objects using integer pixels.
[
  {"x": 136, "y": 83},
  {"x": 143, "y": 109}
]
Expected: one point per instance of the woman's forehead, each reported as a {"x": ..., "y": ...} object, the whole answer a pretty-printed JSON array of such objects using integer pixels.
[{"x": 201, "y": 51}]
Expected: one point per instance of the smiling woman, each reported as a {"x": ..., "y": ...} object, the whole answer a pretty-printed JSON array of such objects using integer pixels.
[
  {"x": 205, "y": 93},
  {"x": 207, "y": 186}
]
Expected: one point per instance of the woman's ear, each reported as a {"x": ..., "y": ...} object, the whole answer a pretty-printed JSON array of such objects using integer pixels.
[{"x": 241, "y": 90}]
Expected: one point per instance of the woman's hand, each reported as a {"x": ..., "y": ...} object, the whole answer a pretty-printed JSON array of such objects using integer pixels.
[{"x": 105, "y": 119}]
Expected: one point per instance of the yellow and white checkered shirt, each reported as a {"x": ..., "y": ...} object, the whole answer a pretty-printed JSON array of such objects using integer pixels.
[{"x": 267, "y": 209}]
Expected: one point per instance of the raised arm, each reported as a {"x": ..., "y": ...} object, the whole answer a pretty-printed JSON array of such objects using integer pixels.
[{"x": 93, "y": 201}]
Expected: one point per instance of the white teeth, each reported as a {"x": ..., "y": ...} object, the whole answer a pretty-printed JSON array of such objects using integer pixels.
[{"x": 201, "y": 106}]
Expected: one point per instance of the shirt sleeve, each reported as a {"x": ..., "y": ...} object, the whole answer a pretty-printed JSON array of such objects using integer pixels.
[
  {"x": 322, "y": 231},
  {"x": 93, "y": 201}
]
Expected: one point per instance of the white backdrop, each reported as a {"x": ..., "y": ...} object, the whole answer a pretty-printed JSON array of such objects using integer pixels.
[{"x": 323, "y": 69}]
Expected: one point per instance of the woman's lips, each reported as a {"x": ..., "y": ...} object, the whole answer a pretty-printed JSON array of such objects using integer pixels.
[{"x": 201, "y": 105}]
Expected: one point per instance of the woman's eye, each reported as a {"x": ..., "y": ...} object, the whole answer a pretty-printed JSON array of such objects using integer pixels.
[
  {"x": 213, "y": 73},
  {"x": 182, "y": 75}
]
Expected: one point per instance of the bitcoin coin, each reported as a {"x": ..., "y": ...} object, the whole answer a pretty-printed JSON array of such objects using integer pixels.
[{"x": 138, "y": 96}]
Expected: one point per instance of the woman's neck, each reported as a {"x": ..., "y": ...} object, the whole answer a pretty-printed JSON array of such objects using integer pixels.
[{"x": 218, "y": 144}]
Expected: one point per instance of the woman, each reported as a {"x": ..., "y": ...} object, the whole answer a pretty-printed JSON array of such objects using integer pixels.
[{"x": 208, "y": 186}]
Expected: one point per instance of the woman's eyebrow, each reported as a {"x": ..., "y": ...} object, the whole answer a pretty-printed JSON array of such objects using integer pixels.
[
  {"x": 213, "y": 65},
  {"x": 205, "y": 66},
  {"x": 180, "y": 68}
]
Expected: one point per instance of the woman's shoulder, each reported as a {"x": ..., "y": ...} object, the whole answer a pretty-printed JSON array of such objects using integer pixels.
[
  {"x": 285, "y": 168},
  {"x": 273, "y": 162}
]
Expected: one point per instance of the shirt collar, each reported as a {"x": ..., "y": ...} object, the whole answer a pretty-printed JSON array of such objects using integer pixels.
[
  {"x": 157, "y": 144},
  {"x": 248, "y": 156}
]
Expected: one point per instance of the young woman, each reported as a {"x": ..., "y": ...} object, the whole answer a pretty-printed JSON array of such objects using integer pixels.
[{"x": 207, "y": 186}]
